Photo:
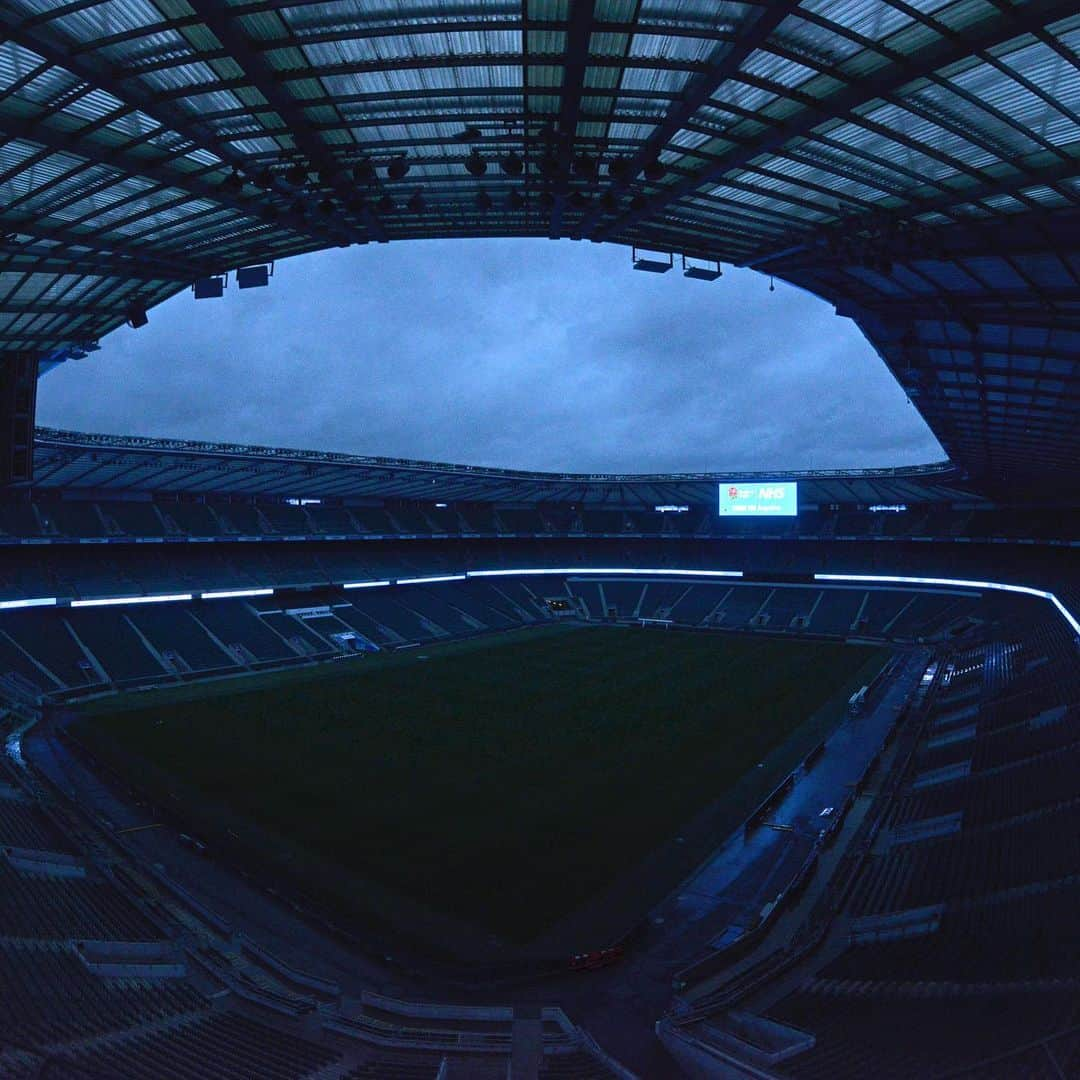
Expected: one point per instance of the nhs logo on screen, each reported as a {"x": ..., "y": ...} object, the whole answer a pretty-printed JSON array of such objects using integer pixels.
[{"x": 772, "y": 498}]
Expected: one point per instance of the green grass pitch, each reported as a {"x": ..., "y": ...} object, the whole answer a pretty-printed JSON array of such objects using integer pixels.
[{"x": 502, "y": 780}]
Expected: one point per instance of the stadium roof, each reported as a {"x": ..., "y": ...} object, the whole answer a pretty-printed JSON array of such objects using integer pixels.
[
  {"x": 118, "y": 465},
  {"x": 913, "y": 161}
]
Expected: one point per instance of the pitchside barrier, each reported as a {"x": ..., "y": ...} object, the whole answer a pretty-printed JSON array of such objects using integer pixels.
[
  {"x": 300, "y": 980},
  {"x": 718, "y": 959},
  {"x": 813, "y": 929},
  {"x": 811, "y": 759},
  {"x": 771, "y": 800}
]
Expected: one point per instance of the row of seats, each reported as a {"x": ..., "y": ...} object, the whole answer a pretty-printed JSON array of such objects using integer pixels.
[
  {"x": 225, "y": 1046},
  {"x": 134, "y": 645},
  {"x": 892, "y": 613},
  {"x": 1003, "y": 791},
  {"x": 89, "y": 570},
  {"x": 963, "y": 942},
  {"x": 1031, "y": 935},
  {"x": 60, "y": 908},
  {"x": 900, "y": 1039},
  {"x": 145, "y": 518},
  {"x": 65, "y": 647},
  {"x": 23, "y": 824},
  {"x": 50, "y": 996}
]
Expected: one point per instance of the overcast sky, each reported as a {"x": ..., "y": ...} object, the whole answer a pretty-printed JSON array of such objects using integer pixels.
[{"x": 529, "y": 354}]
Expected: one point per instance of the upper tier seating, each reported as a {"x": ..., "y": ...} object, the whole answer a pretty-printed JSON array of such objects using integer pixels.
[{"x": 49, "y": 995}]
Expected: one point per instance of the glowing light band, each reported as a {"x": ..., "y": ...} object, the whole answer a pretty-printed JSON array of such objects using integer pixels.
[
  {"x": 960, "y": 583},
  {"x": 230, "y": 594},
  {"x": 424, "y": 580},
  {"x": 114, "y": 600},
  {"x": 620, "y": 571}
]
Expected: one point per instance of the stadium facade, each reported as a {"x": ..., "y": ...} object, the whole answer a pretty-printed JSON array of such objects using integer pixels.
[{"x": 914, "y": 165}]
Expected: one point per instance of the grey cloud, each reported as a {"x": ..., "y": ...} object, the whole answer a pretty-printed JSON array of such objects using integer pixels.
[{"x": 527, "y": 354}]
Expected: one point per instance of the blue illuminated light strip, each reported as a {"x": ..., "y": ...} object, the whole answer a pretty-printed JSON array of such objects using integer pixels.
[
  {"x": 364, "y": 584},
  {"x": 622, "y": 571},
  {"x": 110, "y": 601},
  {"x": 423, "y": 580},
  {"x": 999, "y": 586},
  {"x": 230, "y": 594},
  {"x": 41, "y": 601}
]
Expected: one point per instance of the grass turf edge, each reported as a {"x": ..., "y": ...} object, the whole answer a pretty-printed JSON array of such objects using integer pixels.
[{"x": 330, "y": 882}]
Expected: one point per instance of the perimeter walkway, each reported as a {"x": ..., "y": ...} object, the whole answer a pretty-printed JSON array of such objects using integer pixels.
[{"x": 727, "y": 895}]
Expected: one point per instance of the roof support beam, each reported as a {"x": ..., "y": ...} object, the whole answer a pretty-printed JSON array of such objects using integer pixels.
[
  {"x": 96, "y": 73},
  {"x": 698, "y": 91},
  {"x": 269, "y": 83},
  {"x": 31, "y": 259},
  {"x": 481, "y": 24},
  {"x": 991, "y": 307},
  {"x": 152, "y": 265},
  {"x": 948, "y": 50},
  {"x": 579, "y": 29},
  {"x": 112, "y": 157}
]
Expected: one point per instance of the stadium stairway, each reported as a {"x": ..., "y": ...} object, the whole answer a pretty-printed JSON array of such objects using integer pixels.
[{"x": 231, "y": 1011}]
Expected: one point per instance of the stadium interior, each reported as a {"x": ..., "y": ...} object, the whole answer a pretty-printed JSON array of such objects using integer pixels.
[{"x": 896, "y": 893}]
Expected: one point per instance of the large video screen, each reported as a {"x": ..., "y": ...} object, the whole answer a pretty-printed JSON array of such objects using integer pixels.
[{"x": 761, "y": 498}]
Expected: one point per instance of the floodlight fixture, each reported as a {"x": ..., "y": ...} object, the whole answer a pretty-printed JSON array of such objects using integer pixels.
[
  {"x": 209, "y": 288},
  {"x": 364, "y": 172},
  {"x": 398, "y": 169},
  {"x": 386, "y": 205},
  {"x": 585, "y": 166},
  {"x": 550, "y": 166},
  {"x": 233, "y": 182},
  {"x": 135, "y": 314},
  {"x": 710, "y": 271},
  {"x": 254, "y": 277},
  {"x": 475, "y": 165},
  {"x": 416, "y": 203},
  {"x": 296, "y": 175},
  {"x": 617, "y": 168},
  {"x": 483, "y": 200},
  {"x": 512, "y": 164},
  {"x": 515, "y": 200},
  {"x": 469, "y": 134},
  {"x": 652, "y": 263}
]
